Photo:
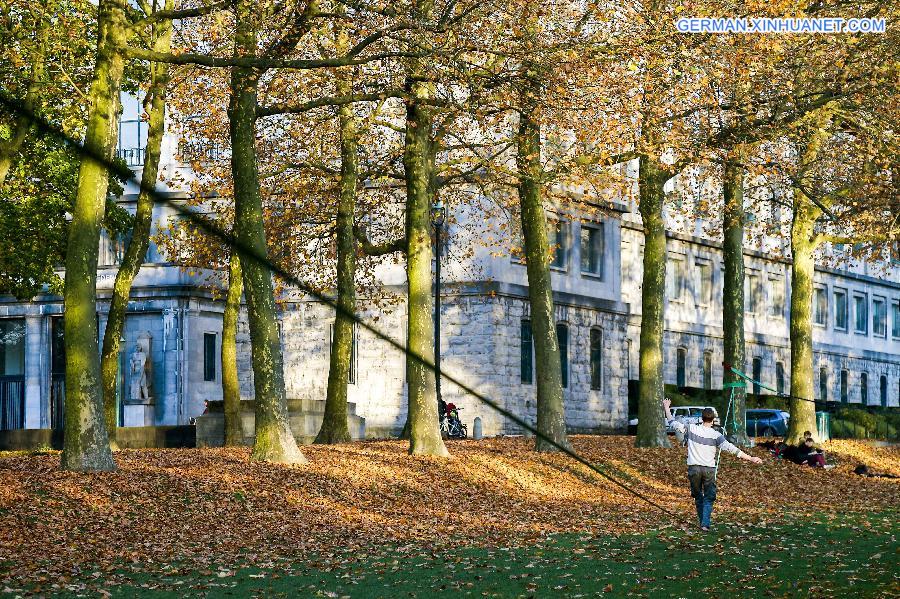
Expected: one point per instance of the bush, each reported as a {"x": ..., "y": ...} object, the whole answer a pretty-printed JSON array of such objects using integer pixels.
[{"x": 857, "y": 423}]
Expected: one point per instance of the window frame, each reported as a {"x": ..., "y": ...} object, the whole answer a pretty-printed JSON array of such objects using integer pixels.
[
  {"x": 776, "y": 281},
  {"x": 840, "y": 291},
  {"x": 877, "y": 299},
  {"x": 701, "y": 264},
  {"x": 681, "y": 367},
  {"x": 561, "y": 249},
  {"x": 563, "y": 352},
  {"x": 817, "y": 289},
  {"x": 596, "y": 228},
  {"x": 865, "y": 302},
  {"x": 596, "y": 358},
  {"x": 845, "y": 386},
  {"x": 895, "y": 318},
  {"x": 675, "y": 293},
  {"x": 864, "y": 388},
  {"x": 526, "y": 358},
  {"x": 209, "y": 357}
]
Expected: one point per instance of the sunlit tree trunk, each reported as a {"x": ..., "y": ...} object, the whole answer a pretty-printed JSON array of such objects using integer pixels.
[
  {"x": 140, "y": 233},
  {"x": 733, "y": 290},
  {"x": 274, "y": 440},
  {"x": 231, "y": 390},
  {"x": 803, "y": 413},
  {"x": 651, "y": 431},
  {"x": 334, "y": 423},
  {"x": 86, "y": 444},
  {"x": 418, "y": 162},
  {"x": 551, "y": 422}
]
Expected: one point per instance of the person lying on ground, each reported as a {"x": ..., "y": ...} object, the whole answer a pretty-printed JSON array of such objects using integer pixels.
[
  {"x": 703, "y": 443},
  {"x": 863, "y": 470}
]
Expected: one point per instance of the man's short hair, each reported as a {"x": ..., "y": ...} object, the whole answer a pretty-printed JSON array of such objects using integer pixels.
[
  {"x": 708, "y": 415},
  {"x": 807, "y": 434}
]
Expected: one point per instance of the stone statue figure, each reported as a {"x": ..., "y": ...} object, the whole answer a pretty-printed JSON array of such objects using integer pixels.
[{"x": 140, "y": 391}]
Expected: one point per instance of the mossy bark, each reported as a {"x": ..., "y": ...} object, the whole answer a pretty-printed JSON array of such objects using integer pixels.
[
  {"x": 274, "y": 440},
  {"x": 651, "y": 431},
  {"x": 733, "y": 291},
  {"x": 334, "y": 427},
  {"x": 86, "y": 444},
  {"x": 231, "y": 391},
  {"x": 136, "y": 251},
  {"x": 803, "y": 413},
  {"x": 418, "y": 163},
  {"x": 551, "y": 423}
]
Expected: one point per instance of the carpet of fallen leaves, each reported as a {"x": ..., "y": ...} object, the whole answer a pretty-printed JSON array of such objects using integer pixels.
[{"x": 202, "y": 507}]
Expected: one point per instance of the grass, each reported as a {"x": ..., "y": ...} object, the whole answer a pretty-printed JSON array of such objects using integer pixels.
[{"x": 800, "y": 556}]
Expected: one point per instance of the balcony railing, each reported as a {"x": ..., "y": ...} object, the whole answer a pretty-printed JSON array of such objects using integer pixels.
[
  {"x": 12, "y": 402},
  {"x": 132, "y": 156}
]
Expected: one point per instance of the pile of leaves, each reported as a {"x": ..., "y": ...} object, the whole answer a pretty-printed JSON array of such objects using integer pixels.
[{"x": 197, "y": 509}]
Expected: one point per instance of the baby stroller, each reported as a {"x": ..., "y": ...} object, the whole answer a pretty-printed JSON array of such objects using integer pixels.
[{"x": 451, "y": 426}]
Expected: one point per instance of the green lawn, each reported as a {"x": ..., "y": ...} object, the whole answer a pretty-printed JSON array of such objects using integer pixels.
[{"x": 797, "y": 557}]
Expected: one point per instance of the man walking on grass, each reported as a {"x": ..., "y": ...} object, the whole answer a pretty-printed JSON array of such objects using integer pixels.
[{"x": 703, "y": 441}]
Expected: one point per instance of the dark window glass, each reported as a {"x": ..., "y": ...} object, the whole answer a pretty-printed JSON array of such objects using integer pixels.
[
  {"x": 596, "y": 358},
  {"x": 883, "y": 391},
  {"x": 559, "y": 243},
  {"x": 840, "y": 310},
  {"x": 526, "y": 366},
  {"x": 864, "y": 388},
  {"x": 844, "y": 386},
  {"x": 562, "y": 335},
  {"x": 757, "y": 375},
  {"x": 779, "y": 377},
  {"x": 680, "y": 367},
  {"x": 823, "y": 384},
  {"x": 209, "y": 356},
  {"x": 707, "y": 370}
]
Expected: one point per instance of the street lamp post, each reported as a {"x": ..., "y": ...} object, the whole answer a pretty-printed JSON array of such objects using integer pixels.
[{"x": 438, "y": 217}]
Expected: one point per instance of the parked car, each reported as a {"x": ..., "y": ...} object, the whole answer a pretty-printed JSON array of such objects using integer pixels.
[
  {"x": 766, "y": 423},
  {"x": 690, "y": 415}
]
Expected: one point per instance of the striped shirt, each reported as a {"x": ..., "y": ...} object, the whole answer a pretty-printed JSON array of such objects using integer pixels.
[{"x": 702, "y": 443}]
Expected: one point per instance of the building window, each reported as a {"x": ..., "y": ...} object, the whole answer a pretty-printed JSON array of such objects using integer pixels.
[
  {"x": 883, "y": 391},
  {"x": 209, "y": 356},
  {"x": 779, "y": 377},
  {"x": 823, "y": 384},
  {"x": 526, "y": 368},
  {"x": 844, "y": 386},
  {"x": 757, "y": 375},
  {"x": 704, "y": 283},
  {"x": 707, "y": 370},
  {"x": 593, "y": 250},
  {"x": 596, "y": 359},
  {"x": 840, "y": 309},
  {"x": 562, "y": 335},
  {"x": 879, "y": 317},
  {"x": 895, "y": 320},
  {"x": 864, "y": 388},
  {"x": 776, "y": 306},
  {"x": 861, "y": 313},
  {"x": 753, "y": 293},
  {"x": 680, "y": 367},
  {"x": 820, "y": 306},
  {"x": 677, "y": 278},
  {"x": 558, "y": 233}
]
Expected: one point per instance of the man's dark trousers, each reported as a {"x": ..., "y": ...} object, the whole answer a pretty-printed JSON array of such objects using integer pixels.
[{"x": 703, "y": 490}]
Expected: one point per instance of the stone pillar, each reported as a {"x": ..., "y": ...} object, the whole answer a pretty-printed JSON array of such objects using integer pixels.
[{"x": 35, "y": 381}]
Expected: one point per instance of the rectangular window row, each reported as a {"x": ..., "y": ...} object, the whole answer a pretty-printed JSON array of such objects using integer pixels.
[
  {"x": 859, "y": 303},
  {"x": 595, "y": 352},
  {"x": 844, "y": 393},
  {"x": 592, "y": 247}
]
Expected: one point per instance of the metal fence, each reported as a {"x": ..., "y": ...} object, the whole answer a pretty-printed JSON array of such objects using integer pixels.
[{"x": 12, "y": 402}]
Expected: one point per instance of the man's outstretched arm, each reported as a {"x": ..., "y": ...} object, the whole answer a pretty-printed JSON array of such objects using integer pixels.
[
  {"x": 676, "y": 424},
  {"x": 724, "y": 445}
]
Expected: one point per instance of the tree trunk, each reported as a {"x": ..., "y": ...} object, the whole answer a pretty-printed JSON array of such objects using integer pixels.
[
  {"x": 231, "y": 390},
  {"x": 803, "y": 413},
  {"x": 651, "y": 431},
  {"x": 86, "y": 445},
  {"x": 274, "y": 440},
  {"x": 334, "y": 423},
  {"x": 140, "y": 232},
  {"x": 551, "y": 422},
  {"x": 733, "y": 291},
  {"x": 418, "y": 163}
]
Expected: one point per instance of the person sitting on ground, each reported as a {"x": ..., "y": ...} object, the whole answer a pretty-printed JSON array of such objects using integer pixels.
[
  {"x": 703, "y": 441},
  {"x": 810, "y": 455}
]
